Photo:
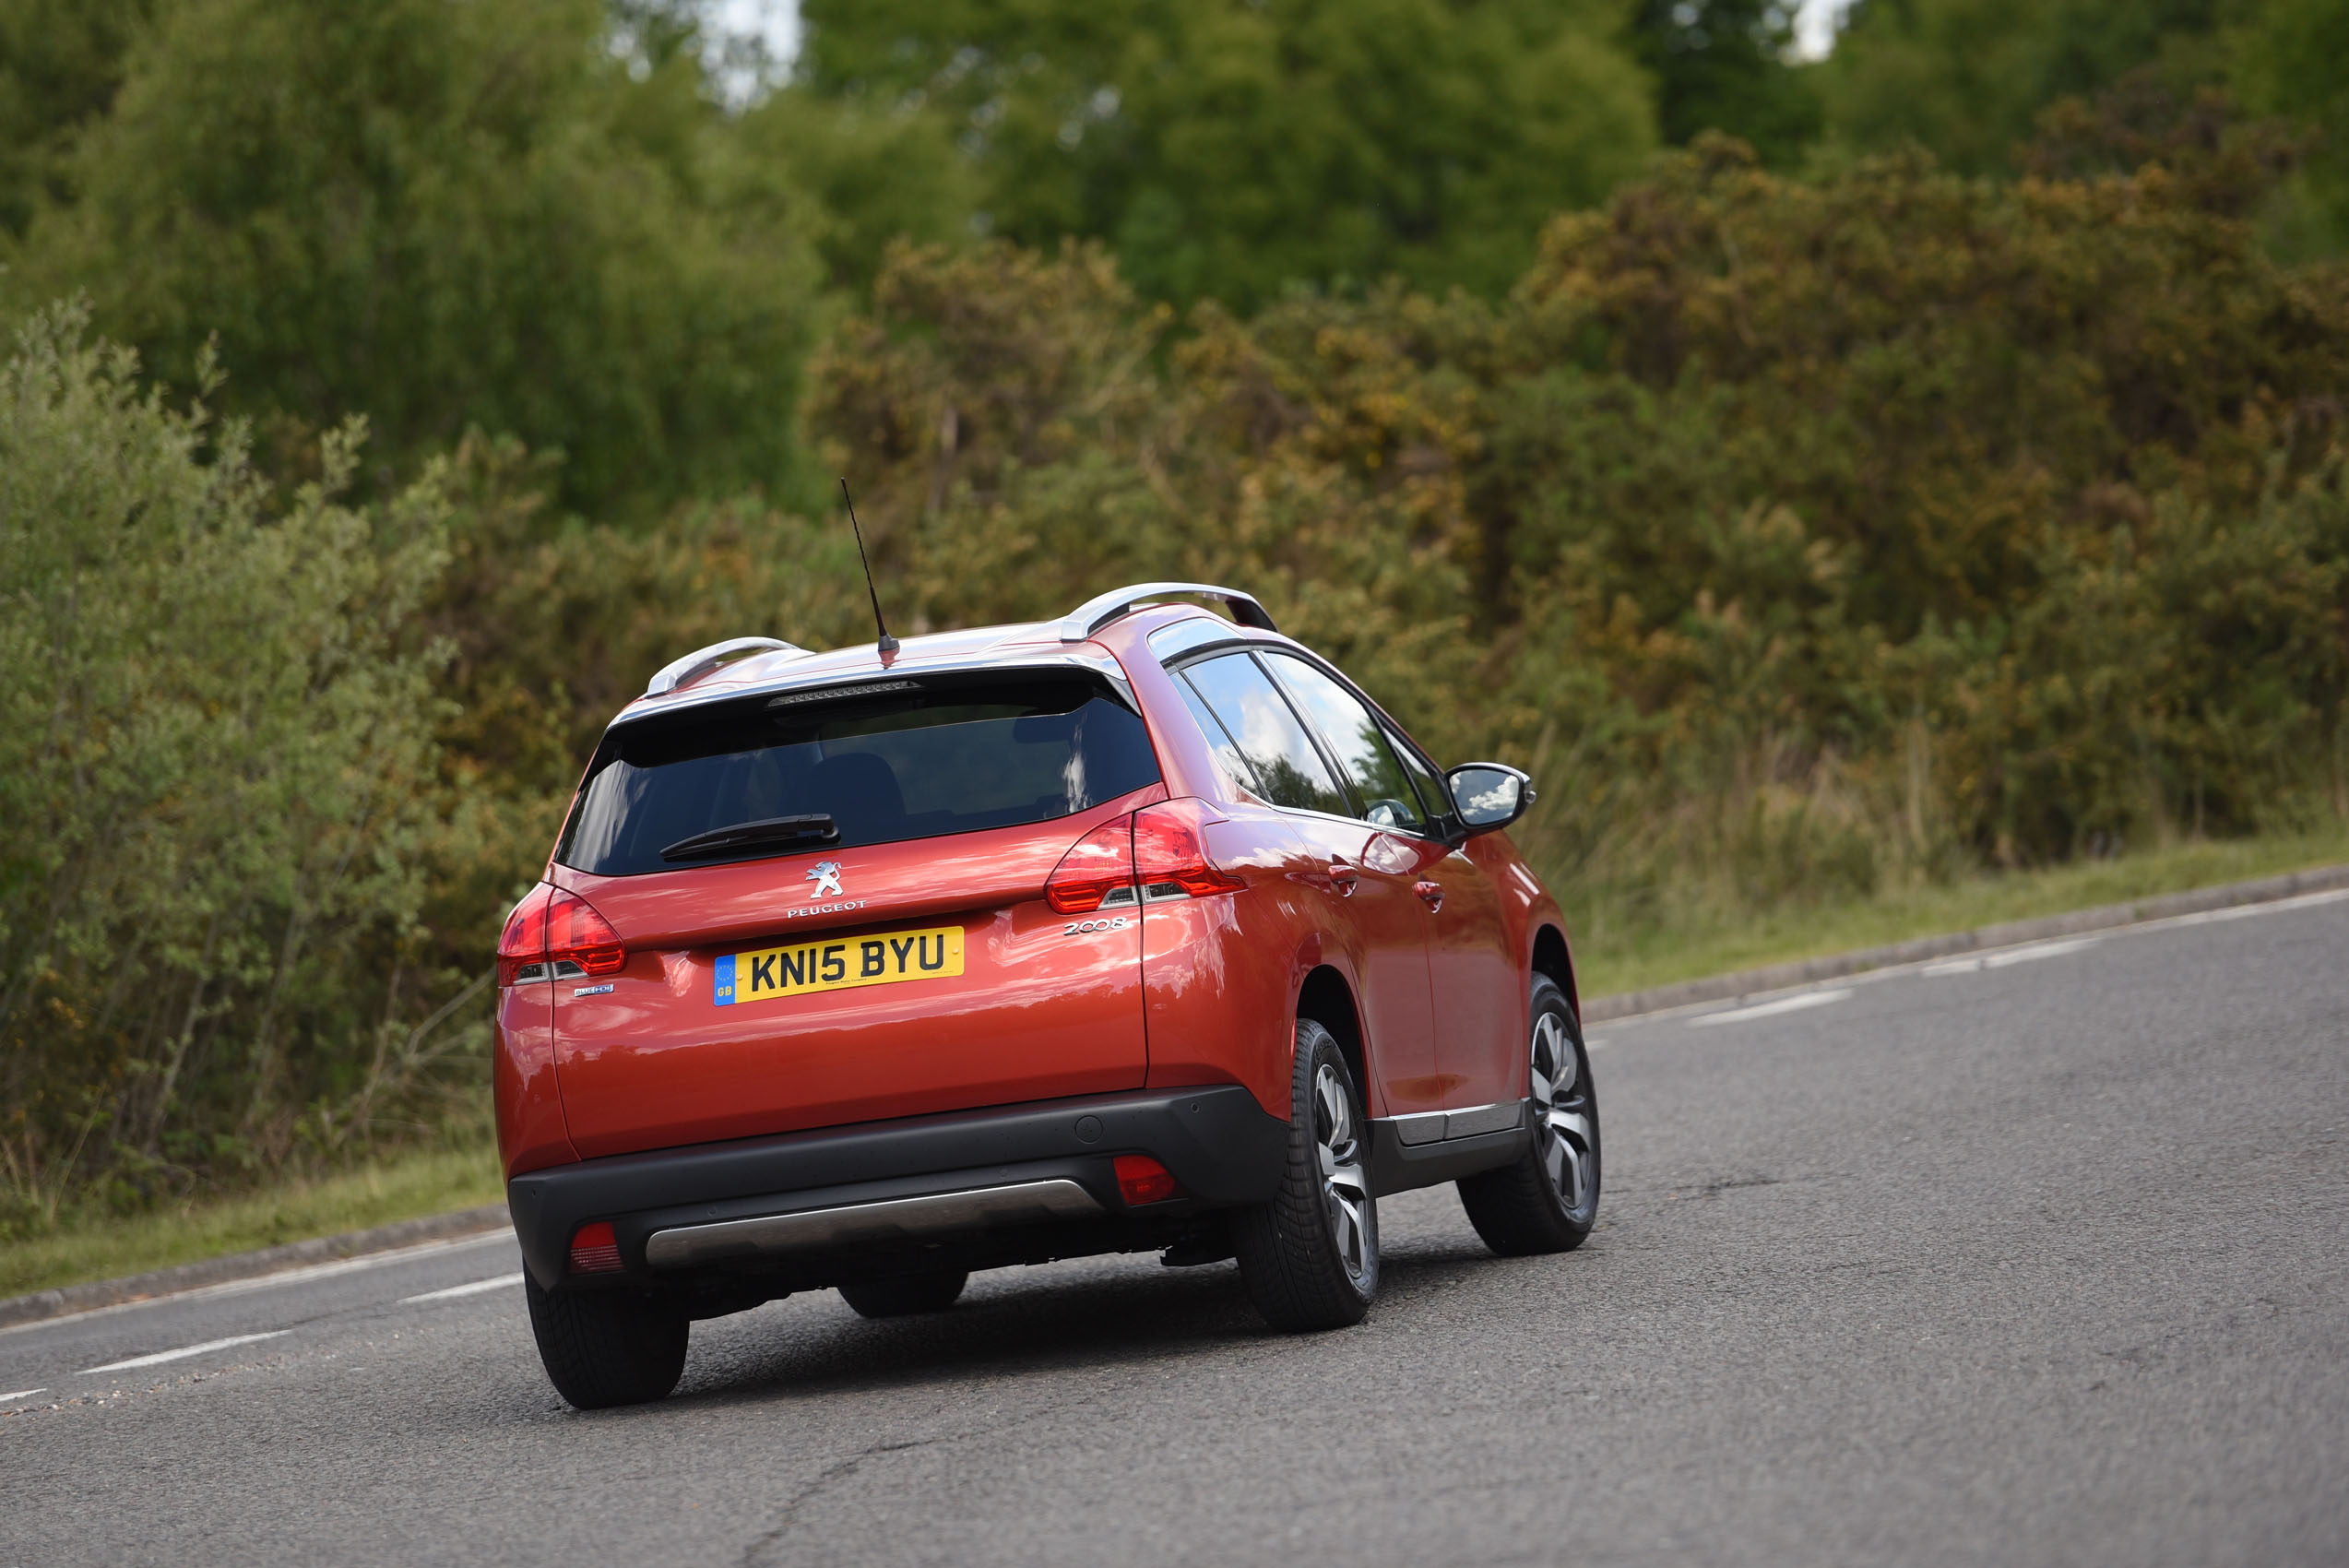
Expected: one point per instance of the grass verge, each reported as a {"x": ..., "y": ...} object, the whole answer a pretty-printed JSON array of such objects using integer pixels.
[
  {"x": 98, "y": 1247},
  {"x": 1717, "y": 943}
]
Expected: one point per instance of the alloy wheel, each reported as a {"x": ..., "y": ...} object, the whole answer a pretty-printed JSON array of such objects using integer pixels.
[
  {"x": 1346, "y": 1187},
  {"x": 1562, "y": 1117}
]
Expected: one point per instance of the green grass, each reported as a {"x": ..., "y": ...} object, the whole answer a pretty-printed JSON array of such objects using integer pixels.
[
  {"x": 1718, "y": 943},
  {"x": 95, "y": 1247},
  {"x": 98, "y": 1247}
]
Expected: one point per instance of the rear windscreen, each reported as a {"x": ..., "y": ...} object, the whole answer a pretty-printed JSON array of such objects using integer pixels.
[{"x": 906, "y": 764}]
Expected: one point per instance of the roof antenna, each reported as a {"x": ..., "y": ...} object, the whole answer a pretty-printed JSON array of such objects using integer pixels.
[{"x": 888, "y": 645}]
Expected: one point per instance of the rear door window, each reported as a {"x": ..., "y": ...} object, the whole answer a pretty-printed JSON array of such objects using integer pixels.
[
  {"x": 917, "y": 762},
  {"x": 1356, "y": 740},
  {"x": 1288, "y": 771}
]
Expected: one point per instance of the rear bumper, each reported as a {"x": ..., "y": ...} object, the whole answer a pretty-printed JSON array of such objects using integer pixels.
[{"x": 966, "y": 1189}]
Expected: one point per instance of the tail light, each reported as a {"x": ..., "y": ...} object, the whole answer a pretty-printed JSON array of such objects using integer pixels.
[
  {"x": 1141, "y": 1180},
  {"x": 1097, "y": 870},
  {"x": 576, "y": 934},
  {"x": 550, "y": 926},
  {"x": 1169, "y": 857},
  {"x": 522, "y": 947},
  {"x": 595, "y": 1250}
]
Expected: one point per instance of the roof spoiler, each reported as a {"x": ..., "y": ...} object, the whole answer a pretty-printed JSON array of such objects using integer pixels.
[
  {"x": 701, "y": 662},
  {"x": 1095, "y": 613}
]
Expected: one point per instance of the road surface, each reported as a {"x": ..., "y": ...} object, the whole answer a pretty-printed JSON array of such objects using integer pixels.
[{"x": 2037, "y": 1260}]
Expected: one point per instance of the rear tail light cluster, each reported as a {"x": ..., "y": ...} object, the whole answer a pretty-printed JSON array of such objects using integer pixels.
[
  {"x": 554, "y": 934},
  {"x": 1157, "y": 850}
]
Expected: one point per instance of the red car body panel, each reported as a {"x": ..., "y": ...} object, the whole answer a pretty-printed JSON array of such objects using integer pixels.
[{"x": 1190, "y": 992}]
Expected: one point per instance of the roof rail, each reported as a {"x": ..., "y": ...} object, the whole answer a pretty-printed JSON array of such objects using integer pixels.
[
  {"x": 1095, "y": 613},
  {"x": 701, "y": 662}
]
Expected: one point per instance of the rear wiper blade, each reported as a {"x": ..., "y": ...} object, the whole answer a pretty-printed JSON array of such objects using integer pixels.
[{"x": 815, "y": 828}]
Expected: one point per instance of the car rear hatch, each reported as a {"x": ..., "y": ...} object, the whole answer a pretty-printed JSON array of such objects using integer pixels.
[{"x": 877, "y": 941}]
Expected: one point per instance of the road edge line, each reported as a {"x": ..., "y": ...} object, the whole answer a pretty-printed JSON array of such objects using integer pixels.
[
  {"x": 64, "y": 1301},
  {"x": 2006, "y": 934}
]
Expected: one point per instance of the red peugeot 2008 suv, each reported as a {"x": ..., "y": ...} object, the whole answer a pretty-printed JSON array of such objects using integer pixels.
[{"x": 1143, "y": 930}]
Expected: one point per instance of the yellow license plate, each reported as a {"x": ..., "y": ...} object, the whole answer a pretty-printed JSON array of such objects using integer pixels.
[{"x": 843, "y": 965}]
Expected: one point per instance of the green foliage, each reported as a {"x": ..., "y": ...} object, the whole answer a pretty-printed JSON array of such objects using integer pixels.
[
  {"x": 217, "y": 723},
  {"x": 1966, "y": 79},
  {"x": 61, "y": 62},
  {"x": 2288, "y": 60},
  {"x": 1230, "y": 150},
  {"x": 445, "y": 215},
  {"x": 1727, "y": 66}
]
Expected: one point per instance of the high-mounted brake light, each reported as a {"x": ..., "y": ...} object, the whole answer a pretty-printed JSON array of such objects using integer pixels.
[
  {"x": 576, "y": 934},
  {"x": 595, "y": 1250},
  {"x": 1170, "y": 857},
  {"x": 1142, "y": 1179},
  {"x": 522, "y": 946},
  {"x": 1097, "y": 870}
]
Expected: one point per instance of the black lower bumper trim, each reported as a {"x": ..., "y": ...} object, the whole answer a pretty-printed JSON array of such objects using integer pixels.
[{"x": 1217, "y": 1142}]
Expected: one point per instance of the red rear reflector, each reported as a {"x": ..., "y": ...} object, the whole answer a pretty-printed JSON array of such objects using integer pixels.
[
  {"x": 523, "y": 944},
  {"x": 595, "y": 1250},
  {"x": 1167, "y": 855},
  {"x": 1142, "y": 1179},
  {"x": 1094, "y": 868},
  {"x": 576, "y": 933}
]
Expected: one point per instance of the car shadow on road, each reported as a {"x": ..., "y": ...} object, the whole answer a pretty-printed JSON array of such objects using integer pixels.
[{"x": 1128, "y": 1312}]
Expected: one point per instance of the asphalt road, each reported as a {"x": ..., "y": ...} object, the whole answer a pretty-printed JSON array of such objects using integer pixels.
[{"x": 2041, "y": 1261}]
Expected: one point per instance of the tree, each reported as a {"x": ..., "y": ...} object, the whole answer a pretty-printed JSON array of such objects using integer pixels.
[
  {"x": 2291, "y": 57},
  {"x": 1229, "y": 149},
  {"x": 1725, "y": 65},
  {"x": 445, "y": 215},
  {"x": 1965, "y": 79}
]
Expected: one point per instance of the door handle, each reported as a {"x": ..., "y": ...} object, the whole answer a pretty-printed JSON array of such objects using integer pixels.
[
  {"x": 1343, "y": 877},
  {"x": 1432, "y": 893}
]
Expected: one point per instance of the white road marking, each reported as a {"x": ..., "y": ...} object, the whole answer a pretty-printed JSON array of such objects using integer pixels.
[
  {"x": 20, "y": 1394},
  {"x": 180, "y": 1355},
  {"x": 475, "y": 1288},
  {"x": 1770, "y": 1009},
  {"x": 267, "y": 1281},
  {"x": 2243, "y": 912},
  {"x": 1975, "y": 962}
]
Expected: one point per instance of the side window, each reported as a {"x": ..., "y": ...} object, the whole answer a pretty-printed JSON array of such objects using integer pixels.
[
  {"x": 1356, "y": 740},
  {"x": 1287, "y": 770},
  {"x": 1432, "y": 790},
  {"x": 1218, "y": 738}
]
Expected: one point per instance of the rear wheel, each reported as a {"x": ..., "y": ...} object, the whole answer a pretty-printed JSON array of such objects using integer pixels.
[
  {"x": 905, "y": 1295},
  {"x": 1548, "y": 1199},
  {"x": 1310, "y": 1257},
  {"x": 606, "y": 1347}
]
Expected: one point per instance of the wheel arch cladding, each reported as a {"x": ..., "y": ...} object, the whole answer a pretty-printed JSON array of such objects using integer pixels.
[
  {"x": 1327, "y": 1000},
  {"x": 1552, "y": 958}
]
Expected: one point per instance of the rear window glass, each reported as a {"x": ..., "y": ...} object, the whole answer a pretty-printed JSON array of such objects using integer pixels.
[{"x": 914, "y": 763}]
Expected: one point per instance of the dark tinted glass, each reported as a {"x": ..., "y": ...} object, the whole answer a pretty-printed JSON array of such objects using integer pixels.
[
  {"x": 1352, "y": 734},
  {"x": 911, "y": 764},
  {"x": 1288, "y": 771}
]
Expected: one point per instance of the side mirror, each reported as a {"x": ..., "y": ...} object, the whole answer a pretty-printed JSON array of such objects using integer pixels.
[{"x": 1489, "y": 795}]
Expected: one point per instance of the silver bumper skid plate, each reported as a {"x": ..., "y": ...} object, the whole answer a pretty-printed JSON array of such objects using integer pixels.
[{"x": 891, "y": 1219}]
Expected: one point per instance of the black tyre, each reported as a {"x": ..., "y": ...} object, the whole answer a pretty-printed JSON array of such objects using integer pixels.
[
  {"x": 1548, "y": 1201},
  {"x": 1310, "y": 1257},
  {"x": 905, "y": 1295},
  {"x": 606, "y": 1347}
]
